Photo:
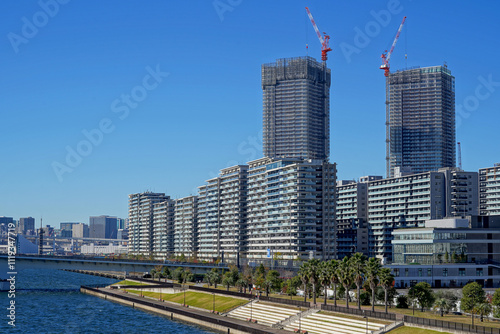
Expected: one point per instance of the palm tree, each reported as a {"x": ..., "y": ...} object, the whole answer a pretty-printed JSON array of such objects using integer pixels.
[
  {"x": 345, "y": 274},
  {"x": 483, "y": 309},
  {"x": 441, "y": 304},
  {"x": 334, "y": 278},
  {"x": 304, "y": 275},
  {"x": 314, "y": 275},
  {"x": 371, "y": 273},
  {"x": 324, "y": 276},
  {"x": 385, "y": 279},
  {"x": 358, "y": 263}
]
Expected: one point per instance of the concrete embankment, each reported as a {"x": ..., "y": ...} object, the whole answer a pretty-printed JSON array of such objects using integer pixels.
[{"x": 178, "y": 312}]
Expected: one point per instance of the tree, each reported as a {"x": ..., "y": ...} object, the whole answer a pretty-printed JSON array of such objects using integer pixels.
[
  {"x": 386, "y": 280},
  {"x": 472, "y": 295},
  {"x": 422, "y": 293},
  {"x": 371, "y": 273},
  {"x": 450, "y": 297},
  {"x": 227, "y": 280},
  {"x": 213, "y": 277},
  {"x": 495, "y": 301},
  {"x": 483, "y": 309},
  {"x": 324, "y": 276},
  {"x": 346, "y": 276},
  {"x": 166, "y": 272},
  {"x": 178, "y": 274},
  {"x": 358, "y": 261},
  {"x": 334, "y": 278},
  {"x": 304, "y": 275},
  {"x": 291, "y": 285},
  {"x": 441, "y": 304},
  {"x": 402, "y": 301},
  {"x": 273, "y": 281},
  {"x": 313, "y": 266},
  {"x": 241, "y": 283}
]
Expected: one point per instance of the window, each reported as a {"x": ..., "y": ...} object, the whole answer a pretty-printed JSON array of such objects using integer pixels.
[
  {"x": 396, "y": 272},
  {"x": 406, "y": 272},
  {"x": 429, "y": 272},
  {"x": 479, "y": 272},
  {"x": 419, "y": 272},
  {"x": 445, "y": 272},
  {"x": 461, "y": 271}
]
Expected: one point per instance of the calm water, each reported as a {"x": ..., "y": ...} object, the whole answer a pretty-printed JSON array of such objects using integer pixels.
[{"x": 49, "y": 301}]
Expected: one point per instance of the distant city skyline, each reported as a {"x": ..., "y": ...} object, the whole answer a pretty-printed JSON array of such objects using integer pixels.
[{"x": 122, "y": 98}]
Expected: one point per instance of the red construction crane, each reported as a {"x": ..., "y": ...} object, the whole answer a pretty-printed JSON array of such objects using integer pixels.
[
  {"x": 386, "y": 56},
  {"x": 324, "y": 41}
]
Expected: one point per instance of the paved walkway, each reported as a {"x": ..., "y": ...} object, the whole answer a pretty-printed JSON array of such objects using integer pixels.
[{"x": 198, "y": 312}]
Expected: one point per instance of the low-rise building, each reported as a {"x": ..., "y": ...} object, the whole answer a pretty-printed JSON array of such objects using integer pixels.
[{"x": 448, "y": 252}]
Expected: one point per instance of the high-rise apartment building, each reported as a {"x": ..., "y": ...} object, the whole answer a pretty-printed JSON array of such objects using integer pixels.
[
  {"x": 351, "y": 215},
  {"x": 296, "y": 118},
  {"x": 290, "y": 209},
  {"x": 420, "y": 119},
  {"x": 489, "y": 190},
  {"x": 408, "y": 201},
  {"x": 163, "y": 228},
  {"x": 222, "y": 206},
  {"x": 186, "y": 226},
  {"x": 140, "y": 215}
]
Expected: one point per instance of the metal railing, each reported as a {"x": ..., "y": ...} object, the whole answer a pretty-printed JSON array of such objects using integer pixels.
[
  {"x": 450, "y": 325},
  {"x": 355, "y": 311}
]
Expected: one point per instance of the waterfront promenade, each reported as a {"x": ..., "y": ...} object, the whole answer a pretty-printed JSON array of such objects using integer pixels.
[{"x": 179, "y": 312}]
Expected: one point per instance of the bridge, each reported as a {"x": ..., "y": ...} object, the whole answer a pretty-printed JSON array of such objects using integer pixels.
[{"x": 100, "y": 263}]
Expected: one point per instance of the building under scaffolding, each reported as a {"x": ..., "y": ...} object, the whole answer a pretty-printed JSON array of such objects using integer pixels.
[
  {"x": 296, "y": 108},
  {"x": 420, "y": 119}
]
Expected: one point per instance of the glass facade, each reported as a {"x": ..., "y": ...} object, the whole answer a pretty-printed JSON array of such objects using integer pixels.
[{"x": 420, "y": 119}]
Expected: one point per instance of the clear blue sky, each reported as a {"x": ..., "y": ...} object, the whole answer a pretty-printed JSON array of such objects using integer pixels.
[{"x": 71, "y": 70}]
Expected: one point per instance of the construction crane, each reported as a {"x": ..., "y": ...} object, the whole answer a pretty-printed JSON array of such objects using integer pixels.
[
  {"x": 324, "y": 41},
  {"x": 459, "y": 156},
  {"x": 386, "y": 56}
]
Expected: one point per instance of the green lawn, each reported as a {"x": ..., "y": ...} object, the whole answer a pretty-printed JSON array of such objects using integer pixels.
[
  {"x": 414, "y": 330},
  {"x": 447, "y": 317},
  {"x": 127, "y": 282},
  {"x": 198, "y": 299}
]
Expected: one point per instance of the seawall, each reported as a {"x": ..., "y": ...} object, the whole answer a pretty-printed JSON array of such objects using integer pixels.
[{"x": 174, "y": 312}]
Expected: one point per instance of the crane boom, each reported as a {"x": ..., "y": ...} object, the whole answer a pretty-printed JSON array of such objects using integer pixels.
[
  {"x": 324, "y": 41},
  {"x": 386, "y": 56},
  {"x": 314, "y": 26}
]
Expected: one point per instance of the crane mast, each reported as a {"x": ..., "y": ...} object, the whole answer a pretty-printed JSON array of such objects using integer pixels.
[{"x": 324, "y": 41}]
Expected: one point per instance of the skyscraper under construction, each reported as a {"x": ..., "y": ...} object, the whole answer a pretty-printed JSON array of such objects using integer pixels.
[
  {"x": 296, "y": 108},
  {"x": 420, "y": 119}
]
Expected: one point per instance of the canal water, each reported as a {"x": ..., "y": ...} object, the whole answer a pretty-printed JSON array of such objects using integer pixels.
[{"x": 49, "y": 301}]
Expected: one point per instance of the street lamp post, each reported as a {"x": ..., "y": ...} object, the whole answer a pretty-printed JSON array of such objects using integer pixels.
[
  {"x": 213, "y": 303},
  {"x": 300, "y": 315},
  {"x": 364, "y": 316},
  {"x": 472, "y": 308},
  {"x": 251, "y": 302}
]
